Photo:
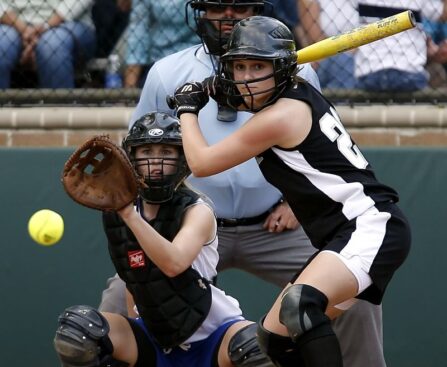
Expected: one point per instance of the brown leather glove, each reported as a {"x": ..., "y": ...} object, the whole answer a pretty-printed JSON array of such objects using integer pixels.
[{"x": 100, "y": 176}]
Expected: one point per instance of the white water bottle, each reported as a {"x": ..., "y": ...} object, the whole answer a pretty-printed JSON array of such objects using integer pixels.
[{"x": 113, "y": 77}]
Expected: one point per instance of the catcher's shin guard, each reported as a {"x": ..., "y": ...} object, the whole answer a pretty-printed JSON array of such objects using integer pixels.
[
  {"x": 244, "y": 351},
  {"x": 82, "y": 339},
  {"x": 280, "y": 349}
]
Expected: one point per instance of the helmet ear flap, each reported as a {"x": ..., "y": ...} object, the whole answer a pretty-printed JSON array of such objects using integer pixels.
[{"x": 285, "y": 69}]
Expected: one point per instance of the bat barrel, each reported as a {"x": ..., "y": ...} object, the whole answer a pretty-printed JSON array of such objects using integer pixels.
[
  {"x": 357, "y": 37},
  {"x": 412, "y": 18}
]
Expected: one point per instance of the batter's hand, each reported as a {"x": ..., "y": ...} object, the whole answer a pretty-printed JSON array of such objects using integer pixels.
[
  {"x": 213, "y": 86},
  {"x": 190, "y": 98},
  {"x": 281, "y": 219},
  {"x": 224, "y": 95}
]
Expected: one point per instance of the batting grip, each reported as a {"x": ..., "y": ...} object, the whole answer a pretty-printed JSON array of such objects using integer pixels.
[
  {"x": 170, "y": 101},
  {"x": 357, "y": 37}
]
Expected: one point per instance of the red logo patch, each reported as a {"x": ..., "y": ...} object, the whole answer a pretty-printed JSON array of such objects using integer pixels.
[{"x": 136, "y": 259}]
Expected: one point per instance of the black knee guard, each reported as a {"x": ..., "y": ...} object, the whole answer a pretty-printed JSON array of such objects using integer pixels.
[
  {"x": 244, "y": 351},
  {"x": 302, "y": 309},
  {"x": 280, "y": 349},
  {"x": 302, "y": 312},
  {"x": 82, "y": 339}
]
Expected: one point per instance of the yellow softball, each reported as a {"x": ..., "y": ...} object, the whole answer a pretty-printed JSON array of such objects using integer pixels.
[{"x": 46, "y": 227}]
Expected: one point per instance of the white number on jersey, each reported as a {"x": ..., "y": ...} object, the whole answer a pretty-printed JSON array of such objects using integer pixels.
[{"x": 332, "y": 127}]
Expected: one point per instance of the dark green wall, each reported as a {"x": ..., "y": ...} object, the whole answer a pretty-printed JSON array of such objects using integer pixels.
[{"x": 38, "y": 282}]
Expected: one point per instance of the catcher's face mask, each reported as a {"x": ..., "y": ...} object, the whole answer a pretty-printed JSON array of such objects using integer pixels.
[
  {"x": 154, "y": 146},
  {"x": 160, "y": 165}
]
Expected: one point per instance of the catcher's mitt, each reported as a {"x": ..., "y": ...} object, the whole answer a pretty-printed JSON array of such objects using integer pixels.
[{"x": 99, "y": 175}]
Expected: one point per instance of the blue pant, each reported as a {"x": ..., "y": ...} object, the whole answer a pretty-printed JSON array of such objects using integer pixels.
[
  {"x": 393, "y": 80},
  {"x": 197, "y": 354},
  {"x": 57, "y": 52}
]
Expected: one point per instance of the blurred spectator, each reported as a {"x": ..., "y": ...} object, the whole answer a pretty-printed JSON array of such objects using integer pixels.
[
  {"x": 325, "y": 18},
  {"x": 395, "y": 63},
  {"x": 286, "y": 12},
  {"x": 111, "y": 18},
  {"x": 51, "y": 36},
  {"x": 157, "y": 28},
  {"x": 437, "y": 48}
]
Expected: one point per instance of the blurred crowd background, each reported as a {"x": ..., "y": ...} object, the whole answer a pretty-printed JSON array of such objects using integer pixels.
[{"x": 99, "y": 51}]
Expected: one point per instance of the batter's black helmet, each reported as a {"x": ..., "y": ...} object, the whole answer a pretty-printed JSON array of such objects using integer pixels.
[
  {"x": 157, "y": 128},
  {"x": 261, "y": 38}
]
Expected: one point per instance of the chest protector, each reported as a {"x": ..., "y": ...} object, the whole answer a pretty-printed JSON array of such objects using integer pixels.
[{"x": 171, "y": 308}]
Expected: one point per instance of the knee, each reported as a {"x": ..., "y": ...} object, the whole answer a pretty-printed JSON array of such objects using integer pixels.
[
  {"x": 303, "y": 309},
  {"x": 54, "y": 44},
  {"x": 10, "y": 46},
  {"x": 82, "y": 337}
]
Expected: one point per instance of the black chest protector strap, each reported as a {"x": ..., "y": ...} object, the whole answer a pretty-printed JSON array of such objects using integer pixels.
[
  {"x": 170, "y": 215},
  {"x": 172, "y": 308}
]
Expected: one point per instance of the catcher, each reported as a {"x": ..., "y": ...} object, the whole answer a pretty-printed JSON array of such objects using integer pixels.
[{"x": 162, "y": 241}]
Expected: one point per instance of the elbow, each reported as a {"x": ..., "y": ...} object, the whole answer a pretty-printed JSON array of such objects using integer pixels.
[
  {"x": 171, "y": 273},
  {"x": 198, "y": 170},
  {"x": 198, "y": 173}
]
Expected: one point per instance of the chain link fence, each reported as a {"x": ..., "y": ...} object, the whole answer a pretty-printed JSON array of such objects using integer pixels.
[{"x": 97, "y": 52}]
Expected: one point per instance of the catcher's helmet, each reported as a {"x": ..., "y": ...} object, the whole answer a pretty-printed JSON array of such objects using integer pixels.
[
  {"x": 214, "y": 38},
  {"x": 260, "y": 38},
  {"x": 157, "y": 128}
]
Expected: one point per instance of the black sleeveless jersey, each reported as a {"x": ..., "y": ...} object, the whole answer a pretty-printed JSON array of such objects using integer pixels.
[{"x": 326, "y": 179}]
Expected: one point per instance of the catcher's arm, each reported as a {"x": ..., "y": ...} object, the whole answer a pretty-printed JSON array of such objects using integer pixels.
[
  {"x": 173, "y": 257},
  {"x": 100, "y": 176},
  {"x": 130, "y": 305}
]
